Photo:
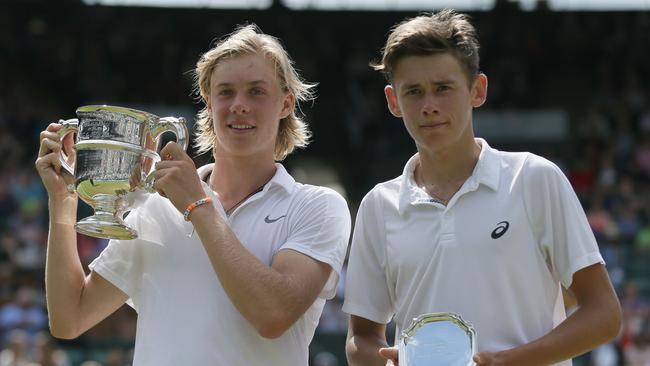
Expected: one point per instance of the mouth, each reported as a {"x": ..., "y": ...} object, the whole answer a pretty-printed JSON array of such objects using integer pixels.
[
  {"x": 240, "y": 126},
  {"x": 433, "y": 124}
]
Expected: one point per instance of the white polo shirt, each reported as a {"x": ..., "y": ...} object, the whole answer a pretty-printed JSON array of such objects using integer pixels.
[
  {"x": 496, "y": 254},
  {"x": 184, "y": 315}
]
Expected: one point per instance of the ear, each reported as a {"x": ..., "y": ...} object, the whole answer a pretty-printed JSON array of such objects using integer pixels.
[
  {"x": 288, "y": 104},
  {"x": 479, "y": 90},
  {"x": 391, "y": 99}
]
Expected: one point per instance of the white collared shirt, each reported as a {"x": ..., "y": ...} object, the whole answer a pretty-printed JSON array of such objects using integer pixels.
[
  {"x": 496, "y": 254},
  {"x": 184, "y": 315}
]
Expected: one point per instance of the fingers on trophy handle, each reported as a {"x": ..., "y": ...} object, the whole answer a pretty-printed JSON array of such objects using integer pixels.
[
  {"x": 68, "y": 126},
  {"x": 149, "y": 181}
]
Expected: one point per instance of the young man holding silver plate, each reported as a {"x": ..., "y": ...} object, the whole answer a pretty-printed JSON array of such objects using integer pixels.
[
  {"x": 234, "y": 261},
  {"x": 492, "y": 236}
]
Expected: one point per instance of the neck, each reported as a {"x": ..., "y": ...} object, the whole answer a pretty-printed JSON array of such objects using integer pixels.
[
  {"x": 441, "y": 173},
  {"x": 236, "y": 178}
]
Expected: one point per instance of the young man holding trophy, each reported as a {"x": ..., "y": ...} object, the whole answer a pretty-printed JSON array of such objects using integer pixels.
[
  {"x": 492, "y": 236},
  {"x": 233, "y": 261}
]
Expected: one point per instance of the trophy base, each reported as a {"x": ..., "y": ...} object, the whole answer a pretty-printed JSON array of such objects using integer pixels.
[{"x": 106, "y": 227}]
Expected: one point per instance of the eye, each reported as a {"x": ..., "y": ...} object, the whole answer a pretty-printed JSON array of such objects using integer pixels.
[
  {"x": 413, "y": 92},
  {"x": 443, "y": 88},
  {"x": 225, "y": 92},
  {"x": 257, "y": 91}
]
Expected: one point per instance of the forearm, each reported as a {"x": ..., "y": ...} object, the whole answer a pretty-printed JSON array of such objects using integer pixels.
[
  {"x": 587, "y": 328},
  {"x": 64, "y": 274},
  {"x": 264, "y": 296},
  {"x": 364, "y": 350}
]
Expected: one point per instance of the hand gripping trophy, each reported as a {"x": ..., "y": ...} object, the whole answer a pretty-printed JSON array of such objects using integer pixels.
[{"x": 114, "y": 155}]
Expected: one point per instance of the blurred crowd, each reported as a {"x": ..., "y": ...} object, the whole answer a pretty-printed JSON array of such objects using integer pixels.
[{"x": 57, "y": 56}]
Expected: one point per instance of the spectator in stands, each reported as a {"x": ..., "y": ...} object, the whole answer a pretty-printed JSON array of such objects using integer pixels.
[
  {"x": 24, "y": 313},
  {"x": 46, "y": 353},
  {"x": 637, "y": 353},
  {"x": 16, "y": 351}
]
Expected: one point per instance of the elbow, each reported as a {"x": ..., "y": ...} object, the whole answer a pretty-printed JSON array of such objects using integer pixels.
[
  {"x": 351, "y": 351},
  {"x": 607, "y": 321},
  {"x": 63, "y": 332},
  {"x": 273, "y": 327},
  {"x": 360, "y": 350},
  {"x": 614, "y": 322},
  {"x": 271, "y": 332}
]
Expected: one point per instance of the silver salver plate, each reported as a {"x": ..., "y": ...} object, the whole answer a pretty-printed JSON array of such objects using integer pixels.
[{"x": 437, "y": 339}]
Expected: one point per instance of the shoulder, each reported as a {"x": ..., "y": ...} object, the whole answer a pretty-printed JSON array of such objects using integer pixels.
[
  {"x": 543, "y": 181},
  {"x": 527, "y": 165},
  {"x": 385, "y": 190},
  {"x": 384, "y": 193},
  {"x": 538, "y": 163},
  {"x": 539, "y": 168},
  {"x": 307, "y": 196},
  {"x": 314, "y": 192}
]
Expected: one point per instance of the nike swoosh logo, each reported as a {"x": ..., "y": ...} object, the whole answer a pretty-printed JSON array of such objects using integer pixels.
[{"x": 270, "y": 221}]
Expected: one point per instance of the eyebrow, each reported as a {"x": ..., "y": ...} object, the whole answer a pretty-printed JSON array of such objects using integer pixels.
[
  {"x": 439, "y": 82},
  {"x": 444, "y": 82},
  {"x": 251, "y": 83}
]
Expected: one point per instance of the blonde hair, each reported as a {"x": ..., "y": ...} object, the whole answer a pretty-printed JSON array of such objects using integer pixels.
[
  {"x": 293, "y": 131},
  {"x": 444, "y": 32}
]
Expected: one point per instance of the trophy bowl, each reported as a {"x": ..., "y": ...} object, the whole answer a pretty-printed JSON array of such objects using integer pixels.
[
  {"x": 437, "y": 339},
  {"x": 112, "y": 162}
]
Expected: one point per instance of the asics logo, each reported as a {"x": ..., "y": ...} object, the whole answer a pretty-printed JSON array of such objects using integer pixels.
[
  {"x": 269, "y": 220},
  {"x": 501, "y": 229}
]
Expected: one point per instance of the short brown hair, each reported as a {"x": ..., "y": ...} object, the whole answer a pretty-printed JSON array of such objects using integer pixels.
[
  {"x": 443, "y": 32},
  {"x": 293, "y": 131}
]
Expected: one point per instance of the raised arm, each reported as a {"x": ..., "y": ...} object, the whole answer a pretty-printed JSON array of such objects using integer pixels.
[{"x": 75, "y": 302}]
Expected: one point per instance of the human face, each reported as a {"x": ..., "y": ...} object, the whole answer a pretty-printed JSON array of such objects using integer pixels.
[
  {"x": 246, "y": 104},
  {"x": 433, "y": 96}
]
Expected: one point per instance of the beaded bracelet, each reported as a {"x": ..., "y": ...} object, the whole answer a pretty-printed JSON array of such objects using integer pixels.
[{"x": 192, "y": 206}]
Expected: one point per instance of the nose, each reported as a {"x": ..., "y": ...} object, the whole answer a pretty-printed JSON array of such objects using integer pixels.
[
  {"x": 239, "y": 106},
  {"x": 429, "y": 105}
]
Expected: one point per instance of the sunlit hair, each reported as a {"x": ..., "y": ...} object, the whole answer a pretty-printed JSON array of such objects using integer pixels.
[
  {"x": 245, "y": 40},
  {"x": 443, "y": 32}
]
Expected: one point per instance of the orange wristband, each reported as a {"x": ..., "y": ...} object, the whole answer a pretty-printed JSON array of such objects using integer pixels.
[{"x": 193, "y": 205}]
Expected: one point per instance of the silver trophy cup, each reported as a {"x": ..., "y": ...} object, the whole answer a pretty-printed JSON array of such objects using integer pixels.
[
  {"x": 112, "y": 162},
  {"x": 437, "y": 339}
]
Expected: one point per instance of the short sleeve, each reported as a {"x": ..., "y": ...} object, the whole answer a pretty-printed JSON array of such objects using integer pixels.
[
  {"x": 122, "y": 261},
  {"x": 366, "y": 291},
  {"x": 320, "y": 229},
  {"x": 558, "y": 219},
  {"x": 119, "y": 263}
]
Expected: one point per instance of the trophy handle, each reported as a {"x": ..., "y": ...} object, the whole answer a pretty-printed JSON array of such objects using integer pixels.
[
  {"x": 172, "y": 124},
  {"x": 70, "y": 125},
  {"x": 166, "y": 124},
  {"x": 148, "y": 181}
]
